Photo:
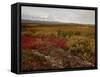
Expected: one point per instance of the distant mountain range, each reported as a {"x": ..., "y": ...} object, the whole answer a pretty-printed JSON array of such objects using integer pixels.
[
  {"x": 51, "y": 22},
  {"x": 44, "y": 22}
]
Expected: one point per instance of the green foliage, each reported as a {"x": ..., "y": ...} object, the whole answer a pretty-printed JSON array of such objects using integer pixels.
[
  {"x": 82, "y": 47},
  {"x": 61, "y": 33}
]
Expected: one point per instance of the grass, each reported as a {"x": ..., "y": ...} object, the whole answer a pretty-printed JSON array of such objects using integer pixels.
[{"x": 61, "y": 46}]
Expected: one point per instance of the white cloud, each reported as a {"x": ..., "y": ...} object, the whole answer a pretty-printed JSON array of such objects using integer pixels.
[{"x": 60, "y": 15}]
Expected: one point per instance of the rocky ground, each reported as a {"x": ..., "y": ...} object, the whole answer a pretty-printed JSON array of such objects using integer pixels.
[{"x": 51, "y": 57}]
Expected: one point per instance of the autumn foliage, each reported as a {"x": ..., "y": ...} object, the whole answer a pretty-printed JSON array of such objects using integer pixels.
[
  {"x": 56, "y": 46},
  {"x": 36, "y": 41}
]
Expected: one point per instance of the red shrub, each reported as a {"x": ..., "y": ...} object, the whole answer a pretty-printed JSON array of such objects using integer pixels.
[
  {"x": 36, "y": 41},
  {"x": 58, "y": 42},
  {"x": 26, "y": 41}
]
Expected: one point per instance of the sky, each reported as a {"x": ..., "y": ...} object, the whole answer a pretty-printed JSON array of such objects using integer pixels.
[{"x": 58, "y": 15}]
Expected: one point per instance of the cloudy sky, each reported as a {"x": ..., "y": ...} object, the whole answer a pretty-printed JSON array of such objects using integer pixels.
[{"x": 58, "y": 15}]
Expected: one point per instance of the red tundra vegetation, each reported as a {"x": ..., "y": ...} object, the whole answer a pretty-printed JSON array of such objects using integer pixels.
[
  {"x": 56, "y": 46},
  {"x": 36, "y": 41}
]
